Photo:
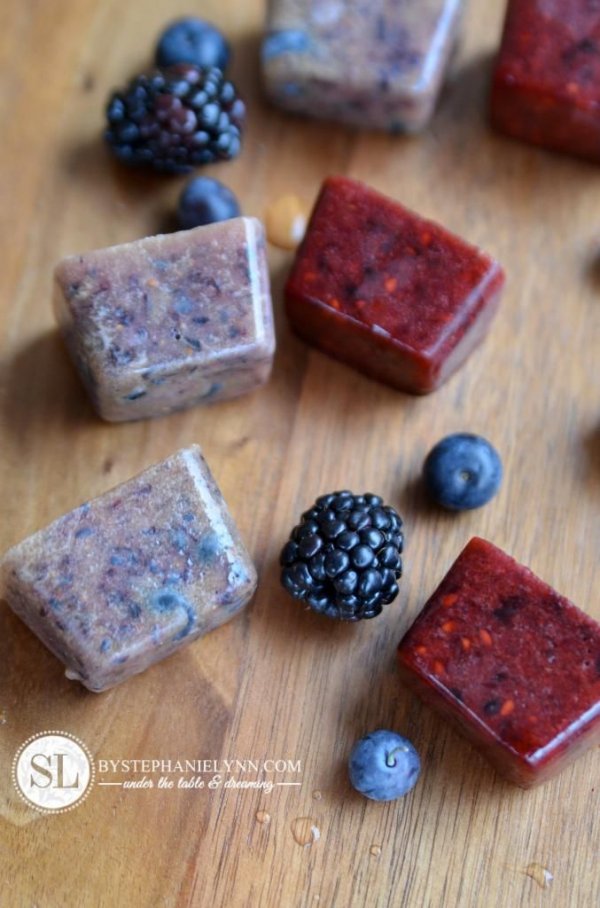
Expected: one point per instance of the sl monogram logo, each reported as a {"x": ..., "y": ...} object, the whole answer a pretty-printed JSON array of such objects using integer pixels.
[{"x": 53, "y": 771}]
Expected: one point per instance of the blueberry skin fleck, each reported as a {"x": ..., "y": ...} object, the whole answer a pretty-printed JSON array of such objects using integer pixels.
[
  {"x": 462, "y": 472},
  {"x": 83, "y": 532},
  {"x": 192, "y": 40},
  {"x": 208, "y": 547},
  {"x": 167, "y": 600},
  {"x": 135, "y": 395},
  {"x": 205, "y": 201},
  {"x": 214, "y": 389},
  {"x": 285, "y": 41},
  {"x": 384, "y": 766},
  {"x": 292, "y": 90},
  {"x": 182, "y": 304}
]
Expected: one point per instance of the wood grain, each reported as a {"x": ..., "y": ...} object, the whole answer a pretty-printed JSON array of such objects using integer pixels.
[{"x": 277, "y": 682}]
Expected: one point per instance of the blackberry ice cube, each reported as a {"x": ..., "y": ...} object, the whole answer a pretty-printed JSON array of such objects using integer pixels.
[
  {"x": 511, "y": 663},
  {"x": 382, "y": 289}
]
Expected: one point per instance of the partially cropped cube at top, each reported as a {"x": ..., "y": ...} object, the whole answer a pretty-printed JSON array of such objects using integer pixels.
[
  {"x": 128, "y": 578},
  {"x": 167, "y": 322},
  {"x": 371, "y": 65},
  {"x": 387, "y": 291},
  {"x": 509, "y": 662},
  {"x": 546, "y": 84}
]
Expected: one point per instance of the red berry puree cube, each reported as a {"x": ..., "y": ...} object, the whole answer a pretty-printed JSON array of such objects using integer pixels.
[
  {"x": 388, "y": 292},
  {"x": 509, "y": 662},
  {"x": 546, "y": 85}
]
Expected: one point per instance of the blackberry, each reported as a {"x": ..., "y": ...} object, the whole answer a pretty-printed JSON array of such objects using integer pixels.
[
  {"x": 176, "y": 118},
  {"x": 343, "y": 558}
]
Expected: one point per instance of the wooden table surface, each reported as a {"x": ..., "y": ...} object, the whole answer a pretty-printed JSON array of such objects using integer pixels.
[{"x": 277, "y": 682}]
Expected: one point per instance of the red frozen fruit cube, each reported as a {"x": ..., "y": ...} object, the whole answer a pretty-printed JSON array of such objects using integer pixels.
[
  {"x": 388, "y": 292},
  {"x": 510, "y": 662},
  {"x": 546, "y": 84}
]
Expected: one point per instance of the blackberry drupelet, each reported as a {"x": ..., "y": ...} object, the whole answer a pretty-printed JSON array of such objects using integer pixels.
[
  {"x": 175, "y": 119},
  {"x": 343, "y": 558}
]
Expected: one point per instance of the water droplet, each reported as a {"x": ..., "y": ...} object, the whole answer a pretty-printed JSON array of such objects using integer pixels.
[
  {"x": 317, "y": 795},
  {"x": 262, "y": 816},
  {"x": 540, "y": 874},
  {"x": 285, "y": 221},
  {"x": 3, "y": 717},
  {"x": 305, "y": 832},
  {"x": 375, "y": 850}
]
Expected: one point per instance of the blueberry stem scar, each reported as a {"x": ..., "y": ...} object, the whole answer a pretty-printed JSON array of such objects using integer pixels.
[{"x": 390, "y": 759}]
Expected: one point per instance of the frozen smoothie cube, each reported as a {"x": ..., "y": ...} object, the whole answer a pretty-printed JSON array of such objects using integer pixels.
[
  {"x": 510, "y": 662},
  {"x": 128, "y": 578},
  {"x": 546, "y": 84},
  {"x": 170, "y": 321},
  {"x": 372, "y": 65},
  {"x": 386, "y": 291}
]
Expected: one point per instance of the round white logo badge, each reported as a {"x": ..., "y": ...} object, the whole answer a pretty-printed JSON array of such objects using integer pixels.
[{"x": 53, "y": 771}]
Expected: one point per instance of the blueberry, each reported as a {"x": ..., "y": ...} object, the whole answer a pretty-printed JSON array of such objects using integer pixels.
[
  {"x": 384, "y": 766},
  {"x": 192, "y": 40},
  {"x": 462, "y": 471},
  {"x": 204, "y": 201}
]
